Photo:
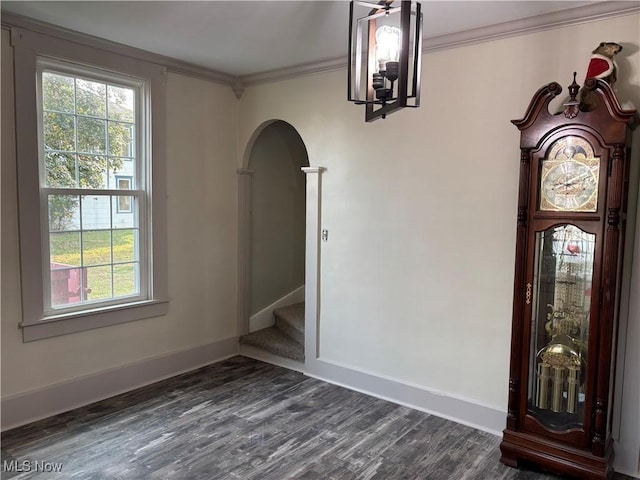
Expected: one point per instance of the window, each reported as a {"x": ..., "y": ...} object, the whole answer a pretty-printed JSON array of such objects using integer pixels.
[
  {"x": 88, "y": 122},
  {"x": 91, "y": 256},
  {"x": 124, "y": 202}
]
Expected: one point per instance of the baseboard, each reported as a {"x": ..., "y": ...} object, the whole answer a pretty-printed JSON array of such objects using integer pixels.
[
  {"x": 267, "y": 357},
  {"x": 40, "y": 403},
  {"x": 626, "y": 459},
  {"x": 264, "y": 318},
  {"x": 441, "y": 404}
]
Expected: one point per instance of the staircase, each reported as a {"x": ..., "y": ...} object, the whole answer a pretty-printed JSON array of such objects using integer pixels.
[{"x": 285, "y": 338}]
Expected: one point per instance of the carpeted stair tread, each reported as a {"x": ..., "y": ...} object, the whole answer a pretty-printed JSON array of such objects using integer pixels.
[
  {"x": 290, "y": 320},
  {"x": 274, "y": 340}
]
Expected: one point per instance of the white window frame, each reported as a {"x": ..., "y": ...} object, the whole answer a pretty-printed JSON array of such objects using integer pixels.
[{"x": 39, "y": 322}]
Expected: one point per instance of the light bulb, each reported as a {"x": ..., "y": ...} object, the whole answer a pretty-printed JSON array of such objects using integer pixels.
[{"x": 387, "y": 45}]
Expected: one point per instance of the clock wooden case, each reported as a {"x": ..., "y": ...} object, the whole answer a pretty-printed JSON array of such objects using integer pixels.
[{"x": 574, "y": 182}]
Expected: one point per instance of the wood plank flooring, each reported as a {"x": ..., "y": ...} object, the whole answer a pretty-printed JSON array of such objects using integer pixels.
[{"x": 244, "y": 419}]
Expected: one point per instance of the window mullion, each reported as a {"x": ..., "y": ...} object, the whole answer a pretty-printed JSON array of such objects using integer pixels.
[
  {"x": 75, "y": 131},
  {"x": 83, "y": 280}
]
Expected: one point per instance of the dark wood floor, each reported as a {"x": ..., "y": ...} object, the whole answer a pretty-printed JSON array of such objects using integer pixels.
[{"x": 244, "y": 419}]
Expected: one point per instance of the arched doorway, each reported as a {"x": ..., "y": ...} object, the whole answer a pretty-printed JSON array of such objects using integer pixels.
[{"x": 272, "y": 221}]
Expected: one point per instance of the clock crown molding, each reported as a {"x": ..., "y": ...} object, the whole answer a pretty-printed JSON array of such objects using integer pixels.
[
  {"x": 538, "y": 106},
  {"x": 606, "y": 110},
  {"x": 630, "y": 117}
]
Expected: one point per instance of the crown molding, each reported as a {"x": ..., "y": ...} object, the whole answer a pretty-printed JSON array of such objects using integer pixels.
[
  {"x": 10, "y": 20},
  {"x": 293, "y": 72},
  {"x": 538, "y": 23},
  {"x": 563, "y": 18}
]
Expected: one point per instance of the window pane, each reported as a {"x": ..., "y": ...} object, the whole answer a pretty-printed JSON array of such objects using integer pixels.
[
  {"x": 64, "y": 213},
  {"x": 92, "y": 135},
  {"x": 96, "y": 212},
  {"x": 91, "y": 98},
  {"x": 67, "y": 285},
  {"x": 122, "y": 168},
  {"x": 57, "y": 92},
  {"x": 121, "y": 101},
  {"x": 124, "y": 278},
  {"x": 96, "y": 247},
  {"x": 123, "y": 183},
  {"x": 60, "y": 169},
  {"x": 99, "y": 283},
  {"x": 124, "y": 215},
  {"x": 59, "y": 132},
  {"x": 124, "y": 206},
  {"x": 92, "y": 171},
  {"x": 64, "y": 249},
  {"x": 124, "y": 245},
  {"x": 121, "y": 139}
]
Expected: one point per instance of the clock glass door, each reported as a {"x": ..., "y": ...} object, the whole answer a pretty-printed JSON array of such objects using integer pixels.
[{"x": 561, "y": 301}]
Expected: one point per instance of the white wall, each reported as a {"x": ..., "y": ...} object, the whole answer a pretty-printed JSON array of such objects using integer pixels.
[
  {"x": 417, "y": 275},
  {"x": 202, "y": 245}
]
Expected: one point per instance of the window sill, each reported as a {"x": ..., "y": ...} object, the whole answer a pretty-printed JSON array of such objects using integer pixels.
[{"x": 88, "y": 320}]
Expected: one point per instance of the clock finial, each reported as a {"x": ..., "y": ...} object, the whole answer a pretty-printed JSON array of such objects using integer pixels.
[{"x": 572, "y": 106}]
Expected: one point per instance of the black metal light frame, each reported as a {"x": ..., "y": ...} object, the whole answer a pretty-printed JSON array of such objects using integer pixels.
[{"x": 403, "y": 92}]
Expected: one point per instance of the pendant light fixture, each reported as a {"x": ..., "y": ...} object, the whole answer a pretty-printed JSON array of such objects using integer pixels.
[{"x": 385, "y": 46}]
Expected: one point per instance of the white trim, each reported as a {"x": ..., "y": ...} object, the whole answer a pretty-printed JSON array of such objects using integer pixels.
[
  {"x": 294, "y": 71},
  {"x": 244, "y": 250},
  {"x": 525, "y": 26},
  {"x": 264, "y": 318},
  {"x": 39, "y": 403},
  {"x": 90, "y": 319},
  {"x": 267, "y": 357},
  {"x": 312, "y": 263},
  {"x": 458, "y": 409}
]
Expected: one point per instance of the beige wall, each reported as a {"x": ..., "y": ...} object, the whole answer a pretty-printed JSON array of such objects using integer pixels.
[
  {"x": 202, "y": 246},
  {"x": 417, "y": 275}
]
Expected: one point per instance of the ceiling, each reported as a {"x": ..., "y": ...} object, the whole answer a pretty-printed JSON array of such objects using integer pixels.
[{"x": 241, "y": 38}]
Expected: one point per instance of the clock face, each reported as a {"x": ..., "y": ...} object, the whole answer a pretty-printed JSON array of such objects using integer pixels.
[{"x": 569, "y": 179}]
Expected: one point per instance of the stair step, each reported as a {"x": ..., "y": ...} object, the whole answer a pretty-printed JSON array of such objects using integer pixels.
[
  {"x": 290, "y": 320},
  {"x": 274, "y": 340}
]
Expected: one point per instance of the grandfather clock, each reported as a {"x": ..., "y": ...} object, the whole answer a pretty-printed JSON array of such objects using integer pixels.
[{"x": 574, "y": 182}]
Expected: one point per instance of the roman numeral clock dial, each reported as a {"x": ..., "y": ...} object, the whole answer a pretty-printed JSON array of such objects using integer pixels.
[{"x": 569, "y": 177}]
